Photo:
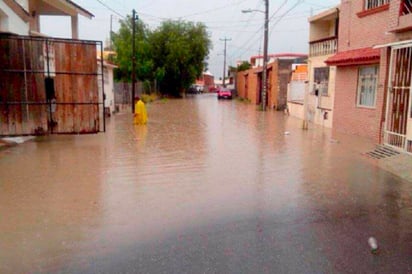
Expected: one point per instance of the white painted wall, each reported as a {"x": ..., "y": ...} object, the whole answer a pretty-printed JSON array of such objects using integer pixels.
[
  {"x": 11, "y": 22},
  {"x": 317, "y": 105},
  {"x": 109, "y": 88},
  {"x": 108, "y": 85}
]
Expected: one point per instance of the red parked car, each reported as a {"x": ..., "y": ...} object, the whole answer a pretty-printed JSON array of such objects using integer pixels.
[{"x": 224, "y": 93}]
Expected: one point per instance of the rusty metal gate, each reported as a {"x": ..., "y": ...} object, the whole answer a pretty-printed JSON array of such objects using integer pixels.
[
  {"x": 398, "y": 106},
  {"x": 50, "y": 86}
]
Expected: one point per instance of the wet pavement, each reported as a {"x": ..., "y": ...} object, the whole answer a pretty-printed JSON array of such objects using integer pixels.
[{"x": 207, "y": 186}]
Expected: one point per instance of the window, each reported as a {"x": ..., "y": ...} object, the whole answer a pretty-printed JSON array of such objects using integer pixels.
[
  {"x": 367, "y": 86},
  {"x": 406, "y": 7},
  {"x": 371, "y": 4},
  {"x": 321, "y": 81}
]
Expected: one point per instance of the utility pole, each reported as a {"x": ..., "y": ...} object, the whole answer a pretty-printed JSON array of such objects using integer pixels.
[
  {"x": 134, "y": 18},
  {"x": 265, "y": 53},
  {"x": 224, "y": 62},
  {"x": 265, "y": 57},
  {"x": 111, "y": 31}
]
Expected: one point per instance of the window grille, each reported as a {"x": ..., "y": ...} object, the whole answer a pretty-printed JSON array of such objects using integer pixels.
[
  {"x": 321, "y": 81},
  {"x": 367, "y": 86},
  {"x": 371, "y": 4}
]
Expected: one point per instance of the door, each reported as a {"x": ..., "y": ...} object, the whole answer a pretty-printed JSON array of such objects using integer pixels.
[
  {"x": 398, "y": 132},
  {"x": 49, "y": 86}
]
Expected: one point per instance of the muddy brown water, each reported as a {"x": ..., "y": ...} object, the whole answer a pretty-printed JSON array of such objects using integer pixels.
[{"x": 207, "y": 186}]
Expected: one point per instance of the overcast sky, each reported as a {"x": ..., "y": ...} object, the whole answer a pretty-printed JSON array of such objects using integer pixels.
[{"x": 288, "y": 28}]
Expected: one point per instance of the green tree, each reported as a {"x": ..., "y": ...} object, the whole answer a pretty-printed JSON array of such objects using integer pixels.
[
  {"x": 244, "y": 66},
  {"x": 179, "y": 51},
  {"x": 122, "y": 42}
]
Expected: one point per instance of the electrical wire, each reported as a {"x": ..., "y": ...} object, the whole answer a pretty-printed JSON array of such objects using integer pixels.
[{"x": 111, "y": 9}]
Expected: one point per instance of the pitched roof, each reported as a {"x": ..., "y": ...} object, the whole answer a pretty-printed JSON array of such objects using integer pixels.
[
  {"x": 19, "y": 10},
  {"x": 81, "y": 10},
  {"x": 355, "y": 57}
]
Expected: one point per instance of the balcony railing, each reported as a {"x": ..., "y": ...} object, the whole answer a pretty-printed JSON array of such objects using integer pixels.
[
  {"x": 406, "y": 7},
  {"x": 324, "y": 46}
]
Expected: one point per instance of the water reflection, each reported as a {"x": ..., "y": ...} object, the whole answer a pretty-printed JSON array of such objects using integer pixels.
[
  {"x": 216, "y": 177},
  {"x": 49, "y": 199}
]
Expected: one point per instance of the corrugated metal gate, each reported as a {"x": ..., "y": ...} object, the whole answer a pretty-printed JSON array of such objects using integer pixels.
[
  {"x": 398, "y": 102},
  {"x": 49, "y": 86}
]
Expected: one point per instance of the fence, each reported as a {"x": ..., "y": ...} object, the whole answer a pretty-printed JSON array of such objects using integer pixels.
[
  {"x": 49, "y": 86},
  {"x": 123, "y": 95}
]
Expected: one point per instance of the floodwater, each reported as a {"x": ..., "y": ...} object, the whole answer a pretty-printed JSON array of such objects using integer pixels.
[{"x": 207, "y": 186}]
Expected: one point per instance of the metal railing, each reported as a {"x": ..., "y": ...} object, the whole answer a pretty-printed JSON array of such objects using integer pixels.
[
  {"x": 323, "y": 46},
  {"x": 371, "y": 4},
  {"x": 406, "y": 7}
]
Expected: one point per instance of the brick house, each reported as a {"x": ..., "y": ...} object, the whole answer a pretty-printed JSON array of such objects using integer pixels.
[
  {"x": 206, "y": 81},
  {"x": 279, "y": 68},
  {"x": 373, "y": 74}
]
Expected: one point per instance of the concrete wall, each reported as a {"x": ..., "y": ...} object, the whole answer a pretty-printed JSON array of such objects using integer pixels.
[
  {"x": 321, "y": 107},
  {"x": 321, "y": 29},
  {"x": 296, "y": 110},
  {"x": 278, "y": 78},
  {"x": 109, "y": 88},
  {"x": 11, "y": 22}
]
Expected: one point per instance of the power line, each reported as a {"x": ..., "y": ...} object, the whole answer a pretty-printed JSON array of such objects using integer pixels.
[
  {"x": 259, "y": 30},
  {"x": 283, "y": 15},
  {"x": 109, "y": 8},
  {"x": 214, "y": 9}
]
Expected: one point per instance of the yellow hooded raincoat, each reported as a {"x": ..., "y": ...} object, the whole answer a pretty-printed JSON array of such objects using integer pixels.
[{"x": 140, "y": 114}]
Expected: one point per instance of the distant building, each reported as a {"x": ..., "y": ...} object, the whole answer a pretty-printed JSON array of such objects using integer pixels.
[
  {"x": 249, "y": 82},
  {"x": 207, "y": 81}
]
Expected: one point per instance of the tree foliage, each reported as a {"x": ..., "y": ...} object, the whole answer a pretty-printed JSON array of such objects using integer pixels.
[
  {"x": 244, "y": 66},
  {"x": 174, "y": 54},
  {"x": 122, "y": 42}
]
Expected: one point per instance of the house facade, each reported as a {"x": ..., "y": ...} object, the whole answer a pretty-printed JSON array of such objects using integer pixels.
[
  {"x": 249, "y": 82},
  {"x": 22, "y": 17},
  {"x": 206, "y": 81},
  {"x": 323, "y": 43},
  {"x": 373, "y": 72}
]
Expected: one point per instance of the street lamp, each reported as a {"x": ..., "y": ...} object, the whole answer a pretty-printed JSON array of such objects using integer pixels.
[
  {"x": 134, "y": 19},
  {"x": 265, "y": 52}
]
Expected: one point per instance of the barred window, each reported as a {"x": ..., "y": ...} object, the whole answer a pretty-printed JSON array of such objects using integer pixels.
[
  {"x": 371, "y": 4},
  {"x": 321, "y": 83},
  {"x": 367, "y": 86}
]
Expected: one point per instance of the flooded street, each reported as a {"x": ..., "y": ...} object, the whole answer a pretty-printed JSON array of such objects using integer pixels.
[{"x": 207, "y": 186}]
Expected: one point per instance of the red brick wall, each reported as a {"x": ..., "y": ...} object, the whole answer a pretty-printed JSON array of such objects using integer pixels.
[
  {"x": 278, "y": 78},
  {"x": 360, "y": 32}
]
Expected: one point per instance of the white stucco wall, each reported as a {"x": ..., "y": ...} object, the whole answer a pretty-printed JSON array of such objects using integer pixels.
[
  {"x": 108, "y": 85},
  {"x": 11, "y": 22},
  {"x": 109, "y": 88},
  {"x": 319, "y": 105}
]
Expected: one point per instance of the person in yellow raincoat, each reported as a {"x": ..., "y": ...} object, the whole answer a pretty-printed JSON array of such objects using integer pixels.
[{"x": 140, "y": 114}]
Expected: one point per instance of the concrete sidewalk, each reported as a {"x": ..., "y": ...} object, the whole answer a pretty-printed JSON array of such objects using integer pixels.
[
  {"x": 400, "y": 165},
  {"x": 13, "y": 141}
]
